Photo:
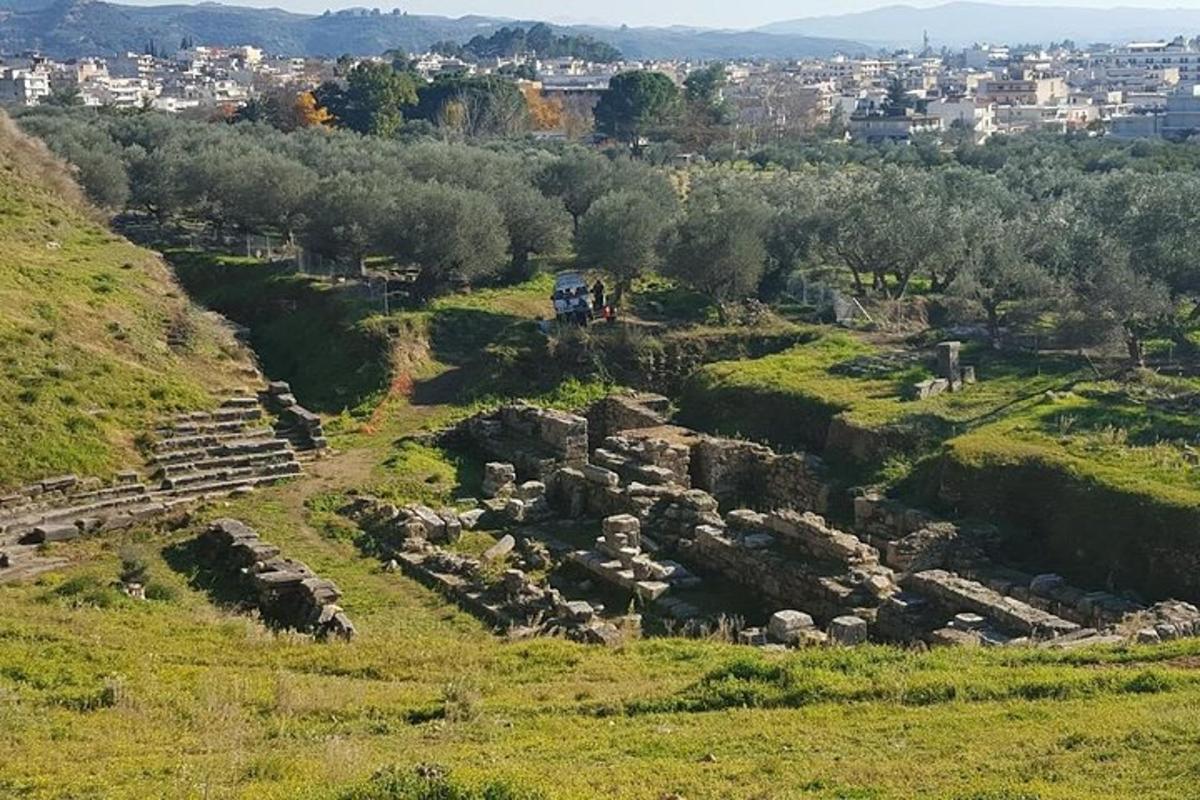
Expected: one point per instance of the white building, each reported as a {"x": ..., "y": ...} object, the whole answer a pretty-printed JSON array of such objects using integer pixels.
[
  {"x": 1177, "y": 121},
  {"x": 1176, "y": 54},
  {"x": 875, "y": 127},
  {"x": 23, "y": 87},
  {"x": 966, "y": 113}
]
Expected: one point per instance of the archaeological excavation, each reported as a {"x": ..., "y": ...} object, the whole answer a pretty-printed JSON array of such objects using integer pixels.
[{"x": 672, "y": 521}]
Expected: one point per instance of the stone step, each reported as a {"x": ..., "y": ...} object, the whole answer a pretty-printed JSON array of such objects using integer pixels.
[
  {"x": 222, "y": 414},
  {"x": 188, "y": 483},
  {"x": 241, "y": 461},
  {"x": 193, "y": 441},
  {"x": 73, "y": 512},
  {"x": 227, "y": 448},
  {"x": 37, "y": 506},
  {"x": 207, "y": 429},
  {"x": 222, "y": 487}
]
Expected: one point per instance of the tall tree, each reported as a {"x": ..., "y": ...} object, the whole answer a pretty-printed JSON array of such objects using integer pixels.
[
  {"x": 578, "y": 178},
  {"x": 718, "y": 247},
  {"x": 535, "y": 224},
  {"x": 346, "y": 216},
  {"x": 372, "y": 101},
  {"x": 474, "y": 106},
  {"x": 636, "y": 104},
  {"x": 885, "y": 227},
  {"x": 452, "y": 233},
  {"x": 620, "y": 234}
]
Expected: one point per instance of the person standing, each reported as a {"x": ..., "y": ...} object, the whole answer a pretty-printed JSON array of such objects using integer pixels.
[{"x": 598, "y": 296}]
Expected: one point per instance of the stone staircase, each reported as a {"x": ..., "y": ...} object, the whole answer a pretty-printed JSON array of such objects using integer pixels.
[
  {"x": 296, "y": 424},
  {"x": 195, "y": 456},
  {"x": 221, "y": 451}
]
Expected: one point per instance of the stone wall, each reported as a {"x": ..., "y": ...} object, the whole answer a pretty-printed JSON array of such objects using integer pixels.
[
  {"x": 286, "y": 592},
  {"x": 537, "y": 441},
  {"x": 739, "y": 473},
  {"x": 641, "y": 456},
  {"x": 621, "y": 412},
  {"x": 511, "y": 602},
  {"x": 795, "y": 562},
  {"x": 955, "y": 594}
]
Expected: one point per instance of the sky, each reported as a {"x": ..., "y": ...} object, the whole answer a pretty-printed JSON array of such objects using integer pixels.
[{"x": 697, "y": 13}]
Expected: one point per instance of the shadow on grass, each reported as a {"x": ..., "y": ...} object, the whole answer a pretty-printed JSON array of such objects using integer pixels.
[
  {"x": 459, "y": 335},
  {"x": 223, "y": 589}
]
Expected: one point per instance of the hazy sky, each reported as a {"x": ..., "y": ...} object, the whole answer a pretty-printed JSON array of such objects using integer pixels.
[{"x": 701, "y": 13}]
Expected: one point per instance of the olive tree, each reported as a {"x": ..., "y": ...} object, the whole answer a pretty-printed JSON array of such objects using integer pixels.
[
  {"x": 620, "y": 234},
  {"x": 718, "y": 246},
  {"x": 450, "y": 232}
]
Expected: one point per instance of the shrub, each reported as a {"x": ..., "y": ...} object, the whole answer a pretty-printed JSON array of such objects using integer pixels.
[{"x": 431, "y": 782}]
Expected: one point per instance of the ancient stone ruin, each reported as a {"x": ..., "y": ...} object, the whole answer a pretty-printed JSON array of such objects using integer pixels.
[
  {"x": 192, "y": 457},
  {"x": 952, "y": 375},
  {"x": 679, "y": 512},
  {"x": 495, "y": 587},
  {"x": 285, "y": 591},
  {"x": 297, "y": 425}
]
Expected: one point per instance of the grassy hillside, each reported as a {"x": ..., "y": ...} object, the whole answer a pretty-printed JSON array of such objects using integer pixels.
[
  {"x": 84, "y": 323},
  {"x": 106, "y": 697},
  {"x": 181, "y": 696}
]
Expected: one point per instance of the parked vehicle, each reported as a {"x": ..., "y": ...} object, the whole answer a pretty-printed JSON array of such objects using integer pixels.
[{"x": 571, "y": 299}]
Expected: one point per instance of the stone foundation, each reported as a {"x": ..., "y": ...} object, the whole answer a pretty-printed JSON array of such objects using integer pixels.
[
  {"x": 286, "y": 592},
  {"x": 537, "y": 441}
]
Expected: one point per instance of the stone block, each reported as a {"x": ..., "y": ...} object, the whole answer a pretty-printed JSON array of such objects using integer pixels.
[
  {"x": 580, "y": 611},
  {"x": 788, "y": 626},
  {"x": 499, "y": 479},
  {"x": 948, "y": 367},
  {"x": 500, "y": 549},
  {"x": 531, "y": 490},
  {"x": 967, "y": 621},
  {"x": 755, "y": 637},
  {"x": 954, "y": 637},
  {"x": 745, "y": 519},
  {"x": 848, "y": 630},
  {"x": 514, "y": 509},
  {"x": 621, "y": 523},
  {"x": 651, "y": 590},
  {"x": 469, "y": 520},
  {"x": 600, "y": 476},
  {"x": 430, "y": 520}
]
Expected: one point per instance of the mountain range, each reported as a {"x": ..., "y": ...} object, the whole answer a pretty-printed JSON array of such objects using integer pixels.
[
  {"x": 963, "y": 23},
  {"x": 72, "y": 28}
]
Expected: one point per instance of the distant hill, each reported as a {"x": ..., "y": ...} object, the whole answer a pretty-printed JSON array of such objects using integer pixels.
[
  {"x": 700, "y": 43},
  {"x": 962, "y": 23},
  {"x": 84, "y": 322},
  {"x": 72, "y": 28}
]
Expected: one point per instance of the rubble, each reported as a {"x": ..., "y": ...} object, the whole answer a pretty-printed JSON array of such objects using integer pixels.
[
  {"x": 285, "y": 591},
  {"x": 619, "y": 560}
]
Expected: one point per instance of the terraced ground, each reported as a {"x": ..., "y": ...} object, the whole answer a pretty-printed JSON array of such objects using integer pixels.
[{"x": 182, "y": 696}]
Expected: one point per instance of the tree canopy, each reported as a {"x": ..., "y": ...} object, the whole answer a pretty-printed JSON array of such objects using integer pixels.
[{"x": 637, "y": 103}]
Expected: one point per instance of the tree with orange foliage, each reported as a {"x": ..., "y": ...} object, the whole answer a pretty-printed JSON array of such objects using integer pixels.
[
  {"x": 307, "y": 113},
  {"x": 545, "y": 113}
]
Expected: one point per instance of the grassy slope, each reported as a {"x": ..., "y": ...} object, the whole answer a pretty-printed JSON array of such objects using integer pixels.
[
  {"x": 1090, "y": 428},
  {"x": 103, "y": 697},
  {"x": 84, "y": 364}
]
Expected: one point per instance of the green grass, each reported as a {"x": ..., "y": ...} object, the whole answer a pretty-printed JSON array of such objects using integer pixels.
[
  {"x": 176, "y": 697},
  {"x": 84, "y": 318}
]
